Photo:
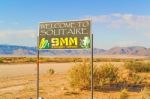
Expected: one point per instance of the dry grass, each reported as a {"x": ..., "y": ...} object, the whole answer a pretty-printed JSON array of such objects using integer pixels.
[
  {"x": 138, "y": 66},
  {"x": 18, "y": 60}
]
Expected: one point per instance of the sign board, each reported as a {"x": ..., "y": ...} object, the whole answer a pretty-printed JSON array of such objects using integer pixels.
[{"x": 65, "y": 35}]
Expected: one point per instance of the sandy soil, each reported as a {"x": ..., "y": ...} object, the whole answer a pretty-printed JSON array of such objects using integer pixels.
[
  {"x": 7, "y": 70},
  {"x": 18, "y": 81}
]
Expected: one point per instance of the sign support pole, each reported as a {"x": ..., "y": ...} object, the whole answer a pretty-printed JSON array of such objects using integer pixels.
[
  {"x": 92, "y": 66},
  {"x": 37, "y": 75}
]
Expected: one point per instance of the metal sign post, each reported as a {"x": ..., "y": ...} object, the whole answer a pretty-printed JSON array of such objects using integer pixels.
[
  {"x": 37, "y": 75},
  {"x": 92, "y": 88}
]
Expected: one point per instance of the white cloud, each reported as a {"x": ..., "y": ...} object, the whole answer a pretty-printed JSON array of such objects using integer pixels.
[
  {"x": 127, "y": 23},
  {"x": 9, "y": 23},
  {"x": 20, "y": 37},
  {"x": 118, "y": 20},
  {"x": 17, "y": 33}
]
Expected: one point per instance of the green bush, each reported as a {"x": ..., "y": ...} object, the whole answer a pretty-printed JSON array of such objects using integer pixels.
[
  {"x": 136, "y": 79},
  {"x": 138, "y": 66},
  {"x": 1, "y": 60},
  {"x": 51, "y": 71},
  {"x": 79, "y": 75},
  {"x": 123, "y": 94},
  {"x": 106, "y": 74},
  {"x": 128, "y": 77}
]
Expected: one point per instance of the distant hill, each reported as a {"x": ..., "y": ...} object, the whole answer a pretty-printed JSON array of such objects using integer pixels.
[
  {"x": 133, "y": 50},
  {"x": 24, "y": 50},
  {"x": 17, "y": 50}
]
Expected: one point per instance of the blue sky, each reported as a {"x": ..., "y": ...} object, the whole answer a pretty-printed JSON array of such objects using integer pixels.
[{"x": 114, "y": 22}]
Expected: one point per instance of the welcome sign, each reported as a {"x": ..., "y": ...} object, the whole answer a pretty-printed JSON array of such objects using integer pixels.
[{"x": 64, "y": 35}]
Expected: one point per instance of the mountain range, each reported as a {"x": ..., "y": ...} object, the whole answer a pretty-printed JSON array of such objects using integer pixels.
[{"x": 25, "y": 50}]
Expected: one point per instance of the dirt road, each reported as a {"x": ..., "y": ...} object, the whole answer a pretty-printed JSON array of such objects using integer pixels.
[{"x": 7, "y": 70}]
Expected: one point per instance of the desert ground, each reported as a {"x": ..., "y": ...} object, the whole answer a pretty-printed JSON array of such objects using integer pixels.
[{"x": 18, "y": 81}]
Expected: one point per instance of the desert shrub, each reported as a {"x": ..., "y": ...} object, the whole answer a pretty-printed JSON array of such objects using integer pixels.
[
  {"x": 51, "y": 71},
  {"x": 145, "y": 93},
  {"x": 107, "y": 74},
  {"x": 32, "y": 60},
  {"x": 123, "y": 94},
  {"x": 136, "y": 79},
  {"x": 79, "y": 75},
  {"x": 1, "y": 60},
  {"x": 138, "y": 66},
  {"x": 129, "y": 77}
]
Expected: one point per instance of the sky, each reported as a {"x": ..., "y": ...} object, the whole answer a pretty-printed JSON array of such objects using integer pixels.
[{"x": 114, "y": 22}]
